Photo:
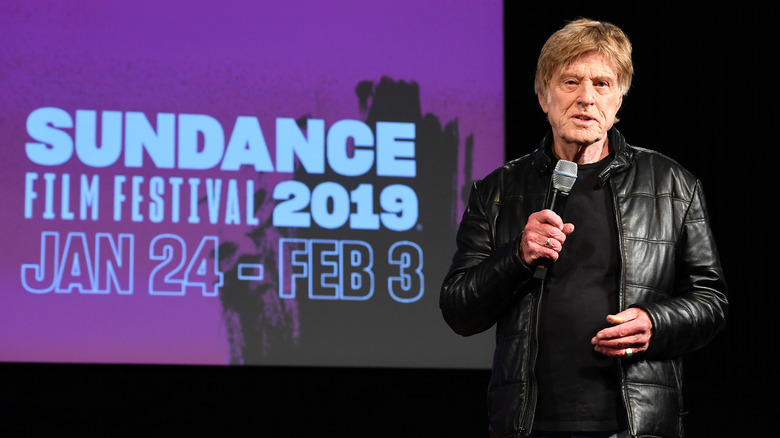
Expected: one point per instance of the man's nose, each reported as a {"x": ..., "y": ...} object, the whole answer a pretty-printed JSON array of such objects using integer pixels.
[{"x": 587, "y": 94}]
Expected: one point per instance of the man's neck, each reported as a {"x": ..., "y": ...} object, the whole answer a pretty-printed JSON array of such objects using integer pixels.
[{"x": 582, "y": 154}]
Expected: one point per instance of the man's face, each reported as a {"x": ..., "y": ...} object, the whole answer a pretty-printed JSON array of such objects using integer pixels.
[{"x": 582, "y": 101}]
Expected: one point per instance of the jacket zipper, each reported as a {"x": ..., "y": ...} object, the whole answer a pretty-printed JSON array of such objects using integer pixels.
[
  {"x": 621, "y": 299},
  {"x": 530, "y": 408},
  {"x": 527, "y": 417}
]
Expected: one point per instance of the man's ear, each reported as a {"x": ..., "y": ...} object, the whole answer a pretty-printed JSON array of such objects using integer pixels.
[{"x": 542, "y": 101}]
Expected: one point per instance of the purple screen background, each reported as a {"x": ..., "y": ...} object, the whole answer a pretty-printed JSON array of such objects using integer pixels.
[{"x": 293, "y": 59}]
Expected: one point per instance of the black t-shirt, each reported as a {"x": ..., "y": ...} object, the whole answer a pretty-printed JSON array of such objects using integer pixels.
[{"x": 578, "y": 388}]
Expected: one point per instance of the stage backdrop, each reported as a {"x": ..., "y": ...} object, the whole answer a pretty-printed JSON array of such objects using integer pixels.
[{"x": 265, "y": 183}]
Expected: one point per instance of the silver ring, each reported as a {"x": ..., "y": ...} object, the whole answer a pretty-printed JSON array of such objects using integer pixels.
[
  {"x": 629, "y": 352},
  {"x": 547, "y": 243}
]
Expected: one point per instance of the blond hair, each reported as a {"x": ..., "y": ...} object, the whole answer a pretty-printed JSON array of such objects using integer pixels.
[{"x": 581, "y": 37}]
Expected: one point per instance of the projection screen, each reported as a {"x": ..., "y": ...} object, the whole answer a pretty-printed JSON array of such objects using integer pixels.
[{"x": 227, "y": 183}]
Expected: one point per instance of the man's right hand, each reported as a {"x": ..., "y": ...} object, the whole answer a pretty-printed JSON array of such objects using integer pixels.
[{"x": 543, "y": 237}]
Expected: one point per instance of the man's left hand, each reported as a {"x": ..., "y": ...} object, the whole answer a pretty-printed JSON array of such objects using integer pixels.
[{"x": 629, "y": 336}]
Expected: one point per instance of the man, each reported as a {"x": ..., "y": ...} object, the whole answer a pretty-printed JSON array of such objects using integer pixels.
[{"x": 594, "y": 348}]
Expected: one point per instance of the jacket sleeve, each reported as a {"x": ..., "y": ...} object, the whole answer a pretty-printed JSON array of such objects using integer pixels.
[
  {"x": 483, "y": 279},
  {"x": 697, "y": 312}
]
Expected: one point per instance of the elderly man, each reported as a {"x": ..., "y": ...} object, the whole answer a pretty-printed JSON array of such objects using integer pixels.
[{"x": 594, "y": 347}]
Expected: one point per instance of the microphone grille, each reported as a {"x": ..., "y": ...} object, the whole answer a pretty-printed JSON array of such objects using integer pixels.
[{"x": 564, "y": 175}]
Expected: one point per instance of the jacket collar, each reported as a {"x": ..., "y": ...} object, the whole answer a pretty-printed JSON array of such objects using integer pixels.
[{"x": 623, "y": 155}]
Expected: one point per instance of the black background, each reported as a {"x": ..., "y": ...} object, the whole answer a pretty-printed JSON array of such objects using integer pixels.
[{"x": 704, "y": 93}]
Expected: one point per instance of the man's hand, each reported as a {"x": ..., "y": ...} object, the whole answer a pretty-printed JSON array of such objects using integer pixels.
[
  {"x": 543, "y": 237},
  {"x": 629, "y": 336}
]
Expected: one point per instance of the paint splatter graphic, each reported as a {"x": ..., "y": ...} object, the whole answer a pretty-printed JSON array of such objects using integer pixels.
[{"x": 259, "y": 323}]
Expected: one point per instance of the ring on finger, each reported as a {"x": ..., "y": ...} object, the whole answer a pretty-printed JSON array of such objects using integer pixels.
[
  {"x": 547, "y": 243},
  {"x": 629, "y": 352}
]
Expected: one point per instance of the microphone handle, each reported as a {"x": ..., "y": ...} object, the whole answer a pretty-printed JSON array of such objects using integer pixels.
[{"x": 557, "y": 203}]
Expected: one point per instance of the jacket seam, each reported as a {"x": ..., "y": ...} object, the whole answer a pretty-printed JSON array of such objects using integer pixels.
[{"x": 655, "y": 241}]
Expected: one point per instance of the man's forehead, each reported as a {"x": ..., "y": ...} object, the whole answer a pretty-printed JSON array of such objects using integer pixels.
[{"x": 590, "y": 64}]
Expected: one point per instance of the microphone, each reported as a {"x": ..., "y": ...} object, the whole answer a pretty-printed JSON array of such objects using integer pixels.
[{"x": 563, "y": 179}]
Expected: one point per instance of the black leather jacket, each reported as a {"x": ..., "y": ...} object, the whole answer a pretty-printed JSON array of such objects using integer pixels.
[{"x": 669, "y": 267}]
